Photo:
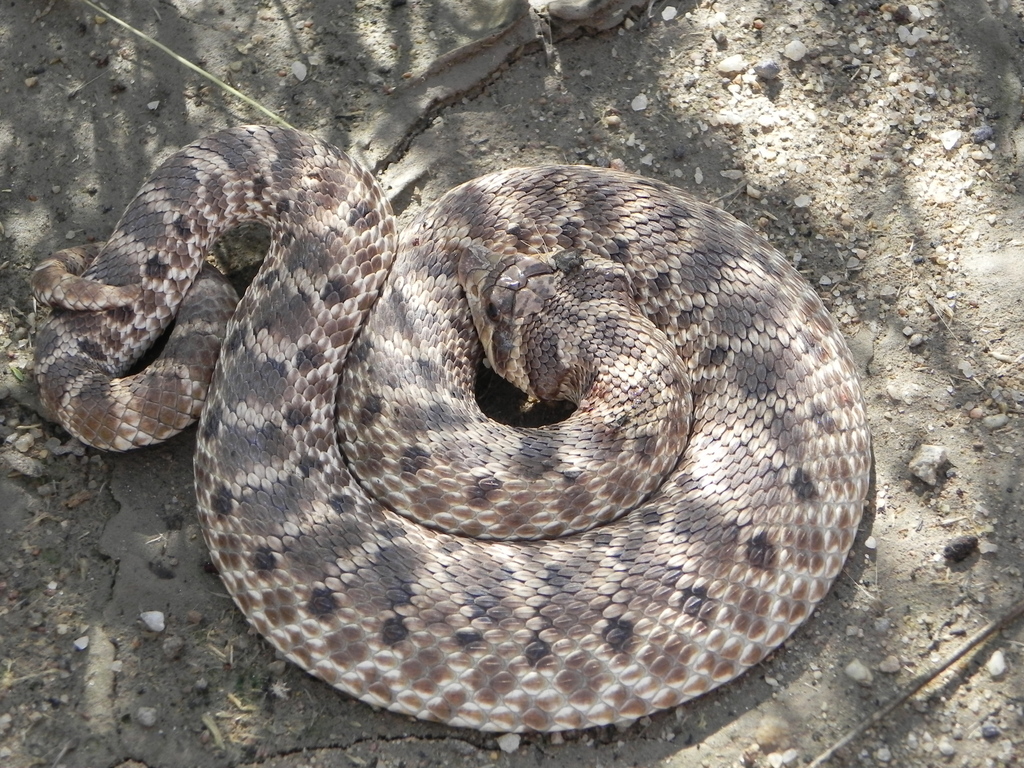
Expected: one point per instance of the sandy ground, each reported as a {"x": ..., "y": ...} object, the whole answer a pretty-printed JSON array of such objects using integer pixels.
[{"x": 883, "y": 158}]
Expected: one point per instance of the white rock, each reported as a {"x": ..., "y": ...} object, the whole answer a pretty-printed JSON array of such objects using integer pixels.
[
  {"x": 669, "y": 12},
  {"x": 795, "y": 50},
  {"x": 779, "y": 759},
  {"x": 153, "y": 620},
  {"x": 81, "y": 643},
  {"x": 995, "y": 421},
  {"x": 883, "y": 754},
  {"x": 911, "y": 36},
  {"x": 950, "y": 140},
  {"x": 299, "y": 70},
  {"x": 802, "y": 201},
  {"x": 890, "y": 665},
  {"x": 509, "y": 742},
  {"x": 146, "y": 716},
  {"x": 926, "y": 462},
  {"x": 857, "y": 671},
  {"x": 996, "y": 665},
  {"x": 732, "y": 65},
  {"x": 946, "y": 747},
  {"x": 639, "y": 104}
]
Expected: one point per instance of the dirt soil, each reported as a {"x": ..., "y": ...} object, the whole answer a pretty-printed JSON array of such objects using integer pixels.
[{"x": 878, "y": 145}]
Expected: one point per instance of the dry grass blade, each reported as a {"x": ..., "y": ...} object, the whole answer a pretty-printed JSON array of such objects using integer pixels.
[
  {"x": 185, "y": 62},
  {"x": 921, "y": 681}
]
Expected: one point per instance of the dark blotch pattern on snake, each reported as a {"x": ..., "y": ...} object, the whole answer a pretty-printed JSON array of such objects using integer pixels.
[{"x": 388, "y": 537}]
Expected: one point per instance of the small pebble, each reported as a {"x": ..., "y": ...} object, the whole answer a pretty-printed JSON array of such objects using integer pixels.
[
  {"x": 960, "y": 548},
  {"x": 173, "y": 647},
  {"x": 946, "y": 747},
  {"x": 926, "y": 462},
  {"x": 911, "y": 36},
  {"x": 995, "y": 421},
  {"x": 509, "y": 742},
  {"x": 857, "y": 671},
  {"x": 81, "y": 643},
  {"x": 153, "y": 620},
  {"x": 996, "y": 665},
  {"x": 768, "y": 69},
  {"x": 950, "y": 140},
  {"x": 669, "y": 12},
  {"x": 779, "y": 759},
  {"x": 890, "y": 665},
  {"x": 916, "y": 340},
  {"x": 795, "y": 50},
  {"x": 732, "y": 65},
  {"x": 883, "y": 754},
  {"x": 990, "y": 732},
  {"x": 24, "y": 465},
  {"x": 983, "y": 134},
  {"x": 146, "y": 716}
]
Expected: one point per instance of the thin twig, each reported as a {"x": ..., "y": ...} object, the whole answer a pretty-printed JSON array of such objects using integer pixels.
[
  {"x": 185, "y": 62},
  {"x": 921, "y": 681}
]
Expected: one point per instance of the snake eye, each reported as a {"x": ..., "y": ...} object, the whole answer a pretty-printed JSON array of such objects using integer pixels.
[{"x": 492, "y": 311}]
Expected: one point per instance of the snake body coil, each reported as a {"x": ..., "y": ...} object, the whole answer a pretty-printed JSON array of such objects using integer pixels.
[{"x": 391, "y": 539}]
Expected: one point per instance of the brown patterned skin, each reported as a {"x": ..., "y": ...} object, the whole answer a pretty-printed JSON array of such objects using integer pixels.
[{"x": 338, "y": 420}]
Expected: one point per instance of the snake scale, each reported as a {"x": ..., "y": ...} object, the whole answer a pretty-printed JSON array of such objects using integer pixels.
[{"x": 389, "y": 537}]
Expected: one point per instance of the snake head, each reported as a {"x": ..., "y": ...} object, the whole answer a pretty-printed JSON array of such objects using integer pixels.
[{"x": 504, "y": 291}]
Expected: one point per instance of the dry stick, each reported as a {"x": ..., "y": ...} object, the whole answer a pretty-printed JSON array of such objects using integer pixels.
[
  {"x": 921, "y": 681},
  {"x": 185, "y": 62}
]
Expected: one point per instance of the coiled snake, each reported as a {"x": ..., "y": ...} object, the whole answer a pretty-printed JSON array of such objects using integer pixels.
[{"x": 387, "y": 536}]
